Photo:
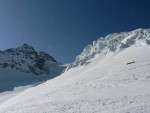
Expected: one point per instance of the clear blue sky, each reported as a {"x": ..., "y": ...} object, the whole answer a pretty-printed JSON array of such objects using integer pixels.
[{"x": 64, "y": 27}]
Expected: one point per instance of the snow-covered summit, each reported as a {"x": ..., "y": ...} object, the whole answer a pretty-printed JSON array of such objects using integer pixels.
[
  {"x": 24, "y": 65},
  {"x": 27, "y": 60},
  {"x": 112, "y": 43},
  {"x": 26, "y": 47}
]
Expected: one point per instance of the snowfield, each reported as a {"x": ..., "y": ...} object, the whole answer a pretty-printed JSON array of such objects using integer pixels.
[
  {"x": 9, "y": 94},
  {"x": 110, "y": 76},
  {"x": 106, "y": 85}
]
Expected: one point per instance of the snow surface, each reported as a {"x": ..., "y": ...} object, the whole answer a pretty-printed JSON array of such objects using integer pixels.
[
  {"x": 116, "y": 82},
  {"x": 10, "y": 94},
  {"x": 106, "y": 85}
]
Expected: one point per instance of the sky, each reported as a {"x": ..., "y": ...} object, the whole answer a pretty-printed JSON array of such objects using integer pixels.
[{"x": 64, "y": 27}]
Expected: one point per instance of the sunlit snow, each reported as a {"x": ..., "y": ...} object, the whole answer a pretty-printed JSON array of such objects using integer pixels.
[{"x": 112, "y": 82}]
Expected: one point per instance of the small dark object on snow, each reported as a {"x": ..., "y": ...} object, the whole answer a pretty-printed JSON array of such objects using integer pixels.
[{"x": 130, "y": 62}]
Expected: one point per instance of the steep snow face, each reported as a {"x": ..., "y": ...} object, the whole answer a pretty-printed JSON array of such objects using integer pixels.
[
  {"x": 114, "y": 83},
  {"x": 112, "y": 43}
]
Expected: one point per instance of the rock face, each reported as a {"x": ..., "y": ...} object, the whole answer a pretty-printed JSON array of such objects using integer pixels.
[
  {"x": 27, "y": 60},
  {"x": 112, "y": 43}
]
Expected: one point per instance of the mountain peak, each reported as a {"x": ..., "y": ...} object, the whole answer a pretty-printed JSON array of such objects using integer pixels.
[
  {"x": 114, "y": 42},
  {"x": 23, "y": 66},
  {"x": 26, "y": 46},
  {"x": 26, "y": 59}
]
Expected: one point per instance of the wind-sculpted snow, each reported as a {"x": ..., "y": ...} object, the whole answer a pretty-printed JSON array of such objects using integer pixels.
[{"x": 112, "y": 43}]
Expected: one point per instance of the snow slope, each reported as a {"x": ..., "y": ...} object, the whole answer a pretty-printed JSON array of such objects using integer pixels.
[
  {"x": 112, "y": 43},
  {"x": 10, "y": 94},
  {"x": 116, "y": 82}
]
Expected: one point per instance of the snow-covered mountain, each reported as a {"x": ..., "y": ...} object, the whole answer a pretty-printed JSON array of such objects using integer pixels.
[
  {"x": 116, "y": 79},
  {"x": 112, "y": 43},
  {"x": 23, "y": 65},
  {"x": 27, "y": 60}
]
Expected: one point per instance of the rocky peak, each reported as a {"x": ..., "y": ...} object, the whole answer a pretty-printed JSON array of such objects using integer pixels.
[
  {"x": 26, "y": 47},
  {"x": 26, "y": 59}
]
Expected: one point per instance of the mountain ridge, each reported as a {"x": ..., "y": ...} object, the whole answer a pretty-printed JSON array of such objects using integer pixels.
[
  {"x": 26, "y": 59},
  {"x": 24, "y": 66},
  {"x": 113, "y": 42}
]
